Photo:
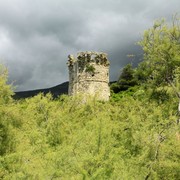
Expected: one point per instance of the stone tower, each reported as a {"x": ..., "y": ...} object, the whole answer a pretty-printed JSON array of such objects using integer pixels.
[{"x": 89, "y": 74}]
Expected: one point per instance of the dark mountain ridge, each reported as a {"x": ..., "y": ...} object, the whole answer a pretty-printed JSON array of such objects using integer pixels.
[{"x": 55, "y": 91}]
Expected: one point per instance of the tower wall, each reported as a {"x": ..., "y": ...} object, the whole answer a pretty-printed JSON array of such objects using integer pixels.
[{"x": 89, "y": 74}]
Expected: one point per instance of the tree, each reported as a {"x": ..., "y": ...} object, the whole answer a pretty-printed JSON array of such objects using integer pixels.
[
  {"x": 6, "y": 135},
  {"x": 127, "y": 79},
  {"x": 161, "y": 46},
  {"x": 5, "y": 89}
]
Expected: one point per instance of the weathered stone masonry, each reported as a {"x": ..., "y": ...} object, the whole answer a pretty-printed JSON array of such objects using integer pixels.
[{"x": 89, "y": 74}]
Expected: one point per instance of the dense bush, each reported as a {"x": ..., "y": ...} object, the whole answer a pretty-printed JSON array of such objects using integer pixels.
[{"x": 67, "y": 138}]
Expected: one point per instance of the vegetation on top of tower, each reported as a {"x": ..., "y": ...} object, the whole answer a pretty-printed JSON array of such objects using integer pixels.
[{"x": 90, "y": 68}]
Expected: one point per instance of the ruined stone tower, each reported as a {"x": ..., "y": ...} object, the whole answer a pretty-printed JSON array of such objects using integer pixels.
[{"x": 89, "y": 74}]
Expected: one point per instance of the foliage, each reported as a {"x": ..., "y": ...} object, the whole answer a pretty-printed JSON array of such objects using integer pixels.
[
  {"x": 90, "y": 68},
  {"x": 67, "y": 138},
  {"x": 161, "y": 46},
  {"x": 114, "y": 87},
  {"x": 8, "y": 116},
  {"x": 126, "y": 80},
  {"x": 5, "y": 90}
]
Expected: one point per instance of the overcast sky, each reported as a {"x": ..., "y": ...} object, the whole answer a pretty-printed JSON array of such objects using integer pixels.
[{"x": 37, "y": 36}]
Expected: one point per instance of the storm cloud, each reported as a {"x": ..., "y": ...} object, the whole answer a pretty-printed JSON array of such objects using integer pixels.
[{"x": 37, "y": 36}]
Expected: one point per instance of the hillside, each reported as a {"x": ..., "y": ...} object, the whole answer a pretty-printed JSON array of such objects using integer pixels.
[{"x": 55, "y": 91}]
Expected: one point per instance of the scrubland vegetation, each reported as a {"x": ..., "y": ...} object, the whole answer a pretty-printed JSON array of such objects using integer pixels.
[{"x": 136, "y": 135}]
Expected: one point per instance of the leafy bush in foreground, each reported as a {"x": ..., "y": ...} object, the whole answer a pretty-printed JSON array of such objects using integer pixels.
[{"x": 66, "y": 138}]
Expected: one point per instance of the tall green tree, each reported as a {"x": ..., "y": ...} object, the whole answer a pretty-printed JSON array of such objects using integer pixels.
[
  {"x": 5, "y": 89},
  {"x": 161, "y": 46},
  {"x": 6, "y": 92},
  {"x": 126, "y": 79}
]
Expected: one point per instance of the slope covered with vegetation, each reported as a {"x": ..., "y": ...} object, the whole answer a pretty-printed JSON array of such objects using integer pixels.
[{"x": 136, "y": 135}]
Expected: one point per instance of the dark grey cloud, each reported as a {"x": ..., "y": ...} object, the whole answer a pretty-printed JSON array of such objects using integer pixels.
[{"x": 37, "y": 36}]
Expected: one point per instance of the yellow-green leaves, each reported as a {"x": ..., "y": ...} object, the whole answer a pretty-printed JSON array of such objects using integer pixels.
[
  {"x": 161, "y": 46},
  {"x": 5, "y": 90}
]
